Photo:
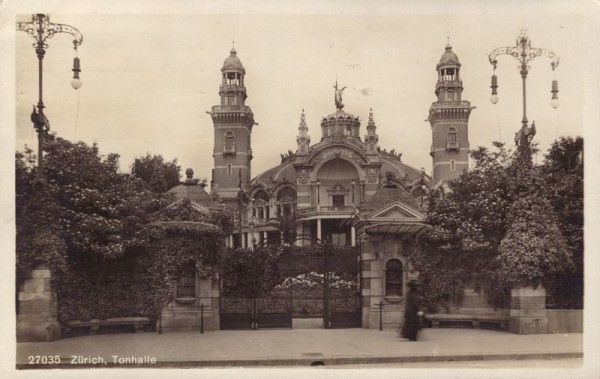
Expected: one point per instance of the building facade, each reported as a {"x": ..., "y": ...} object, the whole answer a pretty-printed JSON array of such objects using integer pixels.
[{"x": 344, "y": 189}]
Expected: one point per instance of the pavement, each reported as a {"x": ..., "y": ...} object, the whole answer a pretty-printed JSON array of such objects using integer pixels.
[{"x": 294, "y": 347}]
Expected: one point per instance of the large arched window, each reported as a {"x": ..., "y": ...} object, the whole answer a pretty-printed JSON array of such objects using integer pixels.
[
  {"x": 186, "y": 285},
  {"x": 393, "y": 278}
]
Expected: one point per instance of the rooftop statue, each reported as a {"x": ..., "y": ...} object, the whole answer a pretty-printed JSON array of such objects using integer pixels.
[{"x": 338, "y": 97}]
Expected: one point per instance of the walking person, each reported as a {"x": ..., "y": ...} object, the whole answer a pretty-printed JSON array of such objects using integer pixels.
[{"x": 411, "y": 312}]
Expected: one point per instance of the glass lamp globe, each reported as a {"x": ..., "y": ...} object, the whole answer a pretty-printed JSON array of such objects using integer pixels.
[
  {"x": 494, "y": 99},
  {"x": 76, "y": 83},
  {"x": 554, "y": 103}
]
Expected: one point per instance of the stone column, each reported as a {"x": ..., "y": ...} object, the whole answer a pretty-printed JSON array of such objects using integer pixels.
[
  {"x": 37, "y": 317},
  {"x": 299, "y": 232},
  {"x": 319, "y": 229},
  {"x": 528, "y": 311}
]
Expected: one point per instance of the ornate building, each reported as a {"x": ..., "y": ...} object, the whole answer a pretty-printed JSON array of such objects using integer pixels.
[{"x": 343, "y": 189}]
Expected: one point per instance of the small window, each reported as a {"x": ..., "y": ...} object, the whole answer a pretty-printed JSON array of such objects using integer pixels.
[
  {"x": 452, "y": 135},
  {"x": 393, "y": 278},
  {"x": 229, "y": 169},
  {"x": 338, "y": 200},
  {"x": 229, "y": 140},
  {"x": 186, "y": 286},
  {"x": 453, "y": 165}
]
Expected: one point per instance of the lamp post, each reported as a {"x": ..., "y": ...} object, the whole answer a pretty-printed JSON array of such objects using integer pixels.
[
  {"x": 40, "y": 29},
  {"x": 524, "y": 53}
]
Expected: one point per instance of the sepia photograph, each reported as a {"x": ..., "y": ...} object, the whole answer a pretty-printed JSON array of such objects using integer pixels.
[{"x": 300, "y": 188}]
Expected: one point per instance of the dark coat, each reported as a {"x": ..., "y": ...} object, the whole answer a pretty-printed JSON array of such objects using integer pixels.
[{"x": 411, "y": 317}]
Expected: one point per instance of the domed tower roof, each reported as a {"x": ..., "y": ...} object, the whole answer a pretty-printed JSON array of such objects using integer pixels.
[
  {"x": 449, "y": 58},
  {"x": 233, "y": 63},
  {"x": 191, "y": 190},
  {"x": 340, "y": 124}
]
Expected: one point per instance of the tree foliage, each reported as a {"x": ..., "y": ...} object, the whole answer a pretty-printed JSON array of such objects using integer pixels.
[
  {"x": 113, "y": 246},
  {"x": 492, "y": 228},
  {"x": 158, "y": 174},
  {"x": 562, "y": 173},
  {"x": 84, "y": 205}
]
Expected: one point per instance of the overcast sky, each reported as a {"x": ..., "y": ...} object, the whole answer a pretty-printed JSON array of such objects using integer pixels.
[{"x": 148, "y": 80}]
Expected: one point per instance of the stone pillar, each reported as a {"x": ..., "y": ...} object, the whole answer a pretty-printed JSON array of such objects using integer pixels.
[
  {"x": 528, "y": 311},
  {"x": 319, "y": 229},
  {"x": 36, "y": 320},
  {"x": 299, "y": 233},
  {"x": 353, "y": 236}
]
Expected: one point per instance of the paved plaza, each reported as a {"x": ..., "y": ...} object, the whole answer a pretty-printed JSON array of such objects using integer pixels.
[{"x": 299, "y": 347}]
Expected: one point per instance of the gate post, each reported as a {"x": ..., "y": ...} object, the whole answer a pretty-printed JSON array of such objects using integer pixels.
[{"x": 37, "y": 317}]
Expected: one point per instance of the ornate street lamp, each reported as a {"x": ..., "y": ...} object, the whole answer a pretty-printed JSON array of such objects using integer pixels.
[
  {"x": 40, "y": 29},
  {"x": 524, "y": 53}
]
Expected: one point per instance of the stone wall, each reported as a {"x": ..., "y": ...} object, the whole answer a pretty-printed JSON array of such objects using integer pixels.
[
  {"x": 565, "y": 320},
  {"x": 185, "y": 315},
  {"x": 528, "y": 311},
  {"x": 375, "y": 252},
  {"x": 474, "y": 303},
  {"x": 37, "y": 316}
]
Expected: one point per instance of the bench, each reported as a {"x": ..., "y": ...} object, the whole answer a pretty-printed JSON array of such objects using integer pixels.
[
  {"x": 475, "y": 320},
  {"x": 95, "y": 324}
]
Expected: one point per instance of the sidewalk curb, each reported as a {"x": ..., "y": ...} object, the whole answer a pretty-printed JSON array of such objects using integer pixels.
[{"x": 306, "y": 362}]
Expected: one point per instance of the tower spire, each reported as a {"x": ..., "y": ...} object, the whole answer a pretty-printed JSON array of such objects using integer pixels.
[
  {"x": 371, "y": 138},
  {"x": 303, "y": 138}
]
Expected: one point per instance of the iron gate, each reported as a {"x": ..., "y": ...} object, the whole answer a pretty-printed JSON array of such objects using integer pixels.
[
  {"x": 255, "y": 313},
  {"x": 336, "y": 299}
]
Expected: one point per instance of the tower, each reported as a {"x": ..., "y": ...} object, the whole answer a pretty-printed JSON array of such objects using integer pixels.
[
  {"x": 233, "y": 122},
  {"x": 449, "y": 119}
]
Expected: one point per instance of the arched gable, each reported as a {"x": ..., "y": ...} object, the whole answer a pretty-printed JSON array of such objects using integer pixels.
[{"x": 346, "y": 152}]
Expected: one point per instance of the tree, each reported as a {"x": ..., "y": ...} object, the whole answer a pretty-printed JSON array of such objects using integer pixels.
[
  {"x": 113, "y": 247},
  {"x": 493, "y": 228},
  {"x": 39, "y": 240},
  {"x": 562, "y": 173},
  {"x": 468, "y": 223},
  {"x": 160, "y": 176},
  {"x": 83, "y": 206},
  {"x": 533, "y": 249}
]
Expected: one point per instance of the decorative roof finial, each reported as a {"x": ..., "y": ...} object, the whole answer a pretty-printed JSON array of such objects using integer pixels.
[
  {"x": 370, "y": 114},
  {"x": 302, "y": 116},
  {"x": 189, "y": 173}
]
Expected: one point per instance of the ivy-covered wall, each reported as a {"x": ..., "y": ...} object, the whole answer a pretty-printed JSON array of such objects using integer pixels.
[{"x": 140, "y": 282}]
